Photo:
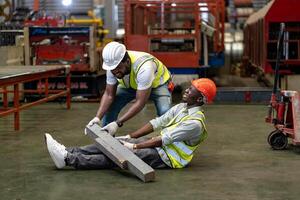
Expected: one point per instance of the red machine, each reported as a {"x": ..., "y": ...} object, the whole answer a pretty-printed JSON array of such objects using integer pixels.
[
  {"x": 284, "y": 109},
  {"x": 74, "y": 46},
  {"x": 65, "y": 53},
  {"x": 45, "y": 21},
  {"x": 172, "y": 30},
  {"x": 260, "y": 37}
]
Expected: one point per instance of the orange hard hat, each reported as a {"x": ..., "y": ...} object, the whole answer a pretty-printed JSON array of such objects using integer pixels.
[{"x": 207, "y": 87}]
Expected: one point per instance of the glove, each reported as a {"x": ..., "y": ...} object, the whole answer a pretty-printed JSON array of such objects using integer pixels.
[
  {"x": 95, "y": 120},
  {"x": 124, "y": 137},
  {"x": 111, "y": 128},
  {"x": 129, "y": 145}
]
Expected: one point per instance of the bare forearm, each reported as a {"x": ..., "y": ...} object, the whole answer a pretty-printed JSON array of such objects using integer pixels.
[
  {"x": 134, "y": 109},
  {"x": 153, "y": 142},
  {"x": 145, "y": 130},
  {"x": 141, "y": 99},
  {"x": 105, "y": 103}
]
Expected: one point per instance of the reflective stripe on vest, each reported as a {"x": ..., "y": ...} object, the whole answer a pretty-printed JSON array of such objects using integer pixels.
[
  {"x": 137, "y": 59},
  {"x": 180, "y": 153}
]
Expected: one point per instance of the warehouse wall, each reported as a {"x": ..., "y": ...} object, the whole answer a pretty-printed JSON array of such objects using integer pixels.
[
  {"x": 56, "y": 5},
  {"x": 120, "y": 4}
]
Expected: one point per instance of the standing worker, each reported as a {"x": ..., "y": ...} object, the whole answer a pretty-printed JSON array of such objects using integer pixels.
[
  {"x": 131, "y": 75},
  {"x": 182, "y": 130}
]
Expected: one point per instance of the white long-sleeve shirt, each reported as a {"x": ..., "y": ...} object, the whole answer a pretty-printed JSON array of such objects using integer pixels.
[{"x": 188, "y": 131}]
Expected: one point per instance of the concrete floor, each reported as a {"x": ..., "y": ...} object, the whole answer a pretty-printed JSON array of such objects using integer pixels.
[{"x": 235, "y": 162}]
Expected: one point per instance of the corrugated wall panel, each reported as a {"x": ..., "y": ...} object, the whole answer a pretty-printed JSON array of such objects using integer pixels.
[
  {"x": 56, "y": 5},
  {"x": 120, "y": 4}
]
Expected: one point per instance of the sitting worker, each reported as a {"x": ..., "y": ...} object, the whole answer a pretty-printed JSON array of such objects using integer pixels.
[
  {"x": 131, "y": 75},
  {"x": 183, "y": 129}
]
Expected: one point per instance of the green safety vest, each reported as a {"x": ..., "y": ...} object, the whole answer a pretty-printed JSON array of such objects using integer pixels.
[
  {"x": 137, "y": 60},
  {"x": 180, "y": 153}
]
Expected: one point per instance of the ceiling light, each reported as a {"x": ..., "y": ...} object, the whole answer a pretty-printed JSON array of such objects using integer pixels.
[{"x": 66, "y": 2}]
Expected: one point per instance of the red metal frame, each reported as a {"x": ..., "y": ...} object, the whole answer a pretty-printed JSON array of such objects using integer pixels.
[
  {"x": 287, "y": 115},
  {"x": 27, "y": 74},
  {"x": 257, "y": 35},
  {"x": 146, "y": 12}
]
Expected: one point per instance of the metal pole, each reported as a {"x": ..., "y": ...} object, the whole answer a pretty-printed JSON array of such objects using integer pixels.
[
  {"x": 16, "y": 106},
  {"x": 279, "y": 45}
]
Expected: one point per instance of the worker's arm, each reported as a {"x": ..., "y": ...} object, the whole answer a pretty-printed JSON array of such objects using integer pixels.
[
  {"x": 154, "y": 124},
  {"x": 141, "y": 99},
  {"x": 106, "y": 100},
  {"x": 144, "y": 79},
  {"x": 163, "y": 121},
  {"x": 145, "y": 130},
  {"x": 151, "y": 143},
  {"x": 188, "y": 131}
]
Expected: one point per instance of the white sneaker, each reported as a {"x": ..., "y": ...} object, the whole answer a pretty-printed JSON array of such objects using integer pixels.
[
  {"x": 49, "y": 137},
  {"x": 57, "y": 151}
]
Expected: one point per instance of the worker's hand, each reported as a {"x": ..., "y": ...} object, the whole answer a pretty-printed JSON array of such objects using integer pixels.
[
  {"x": 124, "y": 137},
  {"x": 111, "y": 128},
  {"x": 129, "y": 145},
  {"x": 95, "y": 120}
]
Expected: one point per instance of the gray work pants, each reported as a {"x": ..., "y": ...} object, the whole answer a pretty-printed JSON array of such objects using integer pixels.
[{"x": 90, "y": 157}]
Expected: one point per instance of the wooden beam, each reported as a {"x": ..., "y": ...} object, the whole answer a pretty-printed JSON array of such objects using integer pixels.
[
  {"x": 27, "y": 46},
  {"x": 119, "y": 154}
]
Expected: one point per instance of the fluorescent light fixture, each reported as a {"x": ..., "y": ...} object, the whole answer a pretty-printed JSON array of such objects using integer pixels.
[
  {"x": 173, "y": 4},
  {"x": 204, "y": 9},
  {"x": 202, "y": 4},
  {"x": 66, "y": 2},
  {"x": 148, "y": 4}
]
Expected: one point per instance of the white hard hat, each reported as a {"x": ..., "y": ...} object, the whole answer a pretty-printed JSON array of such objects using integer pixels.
[{"x": 112, "y": 54}]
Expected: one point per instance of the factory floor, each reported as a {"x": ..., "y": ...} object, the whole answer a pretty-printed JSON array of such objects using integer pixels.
[{"x": 235, "y": 162}]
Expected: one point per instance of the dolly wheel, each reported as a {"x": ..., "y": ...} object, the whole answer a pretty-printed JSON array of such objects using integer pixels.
[
  {"x": 269, "y": 136},
  {"x": 277, "y": 140}
]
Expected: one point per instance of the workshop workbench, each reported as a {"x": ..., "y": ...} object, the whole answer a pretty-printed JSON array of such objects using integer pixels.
[{"x": 14, "y": 75}]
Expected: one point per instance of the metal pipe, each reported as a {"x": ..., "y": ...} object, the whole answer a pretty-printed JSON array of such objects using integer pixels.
[
  {"x": 22, "y": 107},
  {"x": 205, "y": 50},
  {"x": 85, "y": 21},
  {"x": 16, "y": 105},
  {"x": 279, "y": 45},
  {"x": 68, "y": 95},
  {"x": 5, "y": 101},
  {"x": 274, "y": 95}
]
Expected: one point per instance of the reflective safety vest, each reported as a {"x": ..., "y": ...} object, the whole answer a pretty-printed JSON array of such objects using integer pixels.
[
  {"x": 137, "y": 59},
  {"x": 180, "y": 154}
]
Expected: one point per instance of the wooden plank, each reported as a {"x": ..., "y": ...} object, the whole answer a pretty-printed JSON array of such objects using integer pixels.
[
  {"x": 119, "y": 154},
  {"x": 107, "y": 149},
  {"x": 27, "y": 46}
]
